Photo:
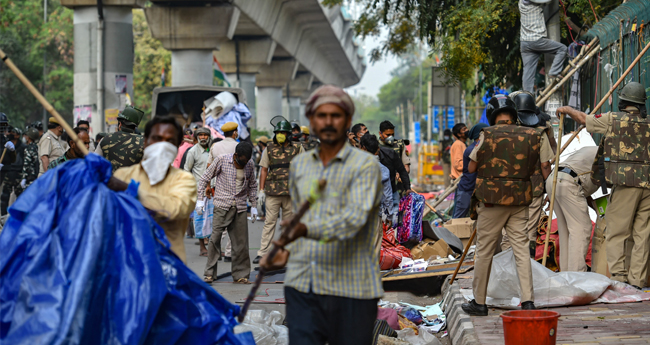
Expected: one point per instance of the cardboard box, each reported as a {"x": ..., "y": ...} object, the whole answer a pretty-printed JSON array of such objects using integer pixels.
[
  {"x": 461, "y": 227},
  {"x": 428, "y": 248}
]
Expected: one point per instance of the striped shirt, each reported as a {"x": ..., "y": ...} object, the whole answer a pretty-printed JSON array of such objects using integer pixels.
[
  {"x": 225, "y": 190},
  {"x": 533, "y": 26},
  {"x": 337, "y": 257}
]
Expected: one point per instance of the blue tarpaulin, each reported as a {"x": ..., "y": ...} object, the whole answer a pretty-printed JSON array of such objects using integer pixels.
[{"x": 82, "y": 264}]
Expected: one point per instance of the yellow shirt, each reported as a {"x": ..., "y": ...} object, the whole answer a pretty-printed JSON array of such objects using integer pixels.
[{"x": 173, "y": 199}]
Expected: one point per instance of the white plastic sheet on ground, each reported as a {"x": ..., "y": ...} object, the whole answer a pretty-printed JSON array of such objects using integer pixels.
[
  {"x": 554, "y": 289},
  {"x": 423, "y": 337},
  {"x": 266, "y": 327}
]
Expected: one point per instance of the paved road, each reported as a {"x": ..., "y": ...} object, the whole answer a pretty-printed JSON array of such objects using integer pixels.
[{"x": 234, "y": 292}]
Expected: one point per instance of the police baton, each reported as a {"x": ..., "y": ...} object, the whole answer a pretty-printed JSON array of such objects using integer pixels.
[
  {"x": 609, "y": 93},
  {"x": 550, "y": 214},
  {"x": 43, "y": 101}
]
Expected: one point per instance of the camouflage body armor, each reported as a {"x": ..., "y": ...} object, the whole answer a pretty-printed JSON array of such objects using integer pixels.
[
  {"x": 309, "y": 144},
  {"x": 507, "y": 160},
  {"x": 537, "y": 179},
  {"x": 123, "y": 149},
  {"x": 625, "y": 151},
  {"x": 280, "y": 156}
]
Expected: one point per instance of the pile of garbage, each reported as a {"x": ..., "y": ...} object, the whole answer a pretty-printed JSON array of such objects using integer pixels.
[
  {"x": 267, "y": 328},
  {"x": 412, "y": 323}
]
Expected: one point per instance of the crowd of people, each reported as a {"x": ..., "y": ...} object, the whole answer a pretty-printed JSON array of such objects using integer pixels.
[{"x": 179, "y": 174}]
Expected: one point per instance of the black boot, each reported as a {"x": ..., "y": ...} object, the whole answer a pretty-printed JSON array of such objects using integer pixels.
[
  {"x": 257, "y": 259},
  {"x": 474, "y": 309},
  {"x": 528, "y": 305}
]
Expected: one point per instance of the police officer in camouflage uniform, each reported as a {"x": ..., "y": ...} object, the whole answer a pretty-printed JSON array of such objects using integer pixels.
[
  {"x": 308, "y": 142},
  {"x": 10, "y": 155},
  {"x": 30, "y": 161},
  {"x": 124, "y": 148},
  {"x": 505, "y": 159},
  {"x": 623, "y": 162},
  {"x": 274, "y": 182},
  {"x": 13, "y": 172}
]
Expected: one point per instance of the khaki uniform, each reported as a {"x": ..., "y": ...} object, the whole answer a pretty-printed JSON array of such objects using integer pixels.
[
  {"x": 628, "y": 209},
  {"x": 51, "y": 146},
  {"x": 277, "y": 191},
  {"x": 571, "y": 209},
  {"x": 504, "y": 202}
]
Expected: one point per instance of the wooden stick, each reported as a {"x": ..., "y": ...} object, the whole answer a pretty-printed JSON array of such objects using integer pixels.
[
  {"x": 462, "y": 258},
  {"x": 586, "y": 49},
  {"x": 441, "y": 216},
  {"x": 550, "y": 215},
  {"x": 295, "y": 220},
  {"x": 440, "y": 198},
  {"x": 43, "y": 101},
  {"x": 609, "y": 93},
  {"x": 552, "y": 90},
  {"x": 3, "y": 155}
]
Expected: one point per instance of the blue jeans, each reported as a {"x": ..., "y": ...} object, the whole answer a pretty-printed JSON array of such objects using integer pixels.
[{"x": 462, "y": 200}]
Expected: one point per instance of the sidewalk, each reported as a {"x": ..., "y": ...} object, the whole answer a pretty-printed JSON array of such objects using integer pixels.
[{"x": 627, "y": 323}]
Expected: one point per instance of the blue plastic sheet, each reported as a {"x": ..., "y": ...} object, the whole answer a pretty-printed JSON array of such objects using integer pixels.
[{"x": 82, "y": 264}]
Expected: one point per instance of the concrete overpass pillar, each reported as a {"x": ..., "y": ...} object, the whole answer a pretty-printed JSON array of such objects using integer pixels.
[
  {"x": 269, "y": 104},
  {"x": 247, "y": 83},
  {"x": 112, "y": 60},
  {"x": 294, "y": 109},
  {"x": 192, "y": 67}
]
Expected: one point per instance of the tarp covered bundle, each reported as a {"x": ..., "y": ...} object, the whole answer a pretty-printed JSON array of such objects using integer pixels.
[
  {"x": 82, "y": 264},
  {"x": 411, "y": 208}
]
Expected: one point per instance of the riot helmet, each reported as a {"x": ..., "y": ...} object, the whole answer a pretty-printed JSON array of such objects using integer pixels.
[
  {"x": 633, "y": 92},
  {"x": 498, "y": 104},
  {"x": 131, "y": 115},
  {"x": 526, "y": 108},
  {"x": 4, "y": 123},
  {"x": 32, "y": 133}
]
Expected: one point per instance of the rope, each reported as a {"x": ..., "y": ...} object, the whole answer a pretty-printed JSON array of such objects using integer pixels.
[{"x": 592, "y": 9}]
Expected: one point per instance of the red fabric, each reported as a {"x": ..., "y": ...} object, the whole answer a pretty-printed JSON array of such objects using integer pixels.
[
  {"x": 181, "y": 151},
  {"x": 554, "y": 245},
  {"x": 391, "y": 252}
]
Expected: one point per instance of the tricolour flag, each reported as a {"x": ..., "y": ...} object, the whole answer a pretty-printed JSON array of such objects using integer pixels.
[{"x": 220, "y": 78}]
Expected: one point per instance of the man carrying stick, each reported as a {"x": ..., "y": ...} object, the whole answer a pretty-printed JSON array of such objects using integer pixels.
[
  {"x": 332, "y": 282},
  {"x": 622, "y": 162},
  {"x": 505, "y": 159}
]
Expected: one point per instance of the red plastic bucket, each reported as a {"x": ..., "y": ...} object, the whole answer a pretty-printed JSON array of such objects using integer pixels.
[{"x": 530, "y": 327}]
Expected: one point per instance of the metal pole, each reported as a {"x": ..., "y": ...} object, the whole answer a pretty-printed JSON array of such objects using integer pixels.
[
  {"x": 100, "y": 65},
  {"x": 430, "y": 111}
]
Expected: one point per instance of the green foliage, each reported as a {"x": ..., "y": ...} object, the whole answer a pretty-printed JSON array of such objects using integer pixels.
[
  {"x": 256, "y": 133},
  {"x": 405, "y": 86},
  {"x": 368, "y": 112},
  {"x": 25, "y": 38},
  {"x": 149, "y": 60},
  {"x": 468, "y": 34}
]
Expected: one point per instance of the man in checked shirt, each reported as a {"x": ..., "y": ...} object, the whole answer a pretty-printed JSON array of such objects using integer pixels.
[
  {"x": 235, "y": 183},
  {"x": 332, "y": 283}
]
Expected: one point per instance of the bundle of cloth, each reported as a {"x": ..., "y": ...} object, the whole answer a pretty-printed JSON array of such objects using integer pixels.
[
  {"x": 82, "y": 264},
  {"x": 391, "y": 253},
  {"x": 224, "y": 108}
]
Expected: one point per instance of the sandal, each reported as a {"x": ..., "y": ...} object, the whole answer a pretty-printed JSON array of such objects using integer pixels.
[
  {"x": 203, "y": 254},
  {"x": 208, "y": 279},
  {"x": 242, "y": 281}
]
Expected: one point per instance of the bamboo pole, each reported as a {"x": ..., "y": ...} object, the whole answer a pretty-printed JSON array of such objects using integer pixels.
[
  {"x": 602, "y": 101},
  {"x": 440, "y": 198},
  {"x": 557, "y": 86},
  {"x": 43, "y": 101},
  {"x": 3, "y": 155},
  {"x": 550, "y": 215},
  {"x": 462, "y": 258}
]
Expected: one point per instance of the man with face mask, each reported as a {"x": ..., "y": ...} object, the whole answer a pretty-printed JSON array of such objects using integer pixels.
[
  {"x": 622, "y": 164},
  {"x": 168, "y": 192},
  {"x": 274, "y": 183},
  {"x": 51, "y": 146},
  {"x": 124, "y": 148},
  {"x": 74, "y": 151},
  {"x": 196, "y": 162},
  {"x": 85, "y": 125},
  {"x": 235, "y": 185},
  {"x": 30, "y": 162},
  {"x": 13, "y": 171},
  {"x": 387, "y": 139}
]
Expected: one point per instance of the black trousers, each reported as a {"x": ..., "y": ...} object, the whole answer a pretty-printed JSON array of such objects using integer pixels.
[{"x": 319, "y": 319}]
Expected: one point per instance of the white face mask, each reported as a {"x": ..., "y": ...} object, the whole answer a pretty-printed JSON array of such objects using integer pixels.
[{"x": 157, "y": 159}]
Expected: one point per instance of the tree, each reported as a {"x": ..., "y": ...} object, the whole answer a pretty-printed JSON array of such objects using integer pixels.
[
  {"x": 150, "y": 58},
  {"x": 25, "y": 38},
  {"x": 469, "y": 34}
]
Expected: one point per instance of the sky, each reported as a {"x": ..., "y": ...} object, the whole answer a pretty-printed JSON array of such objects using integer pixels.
[{"x": 377, "y": 74}]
